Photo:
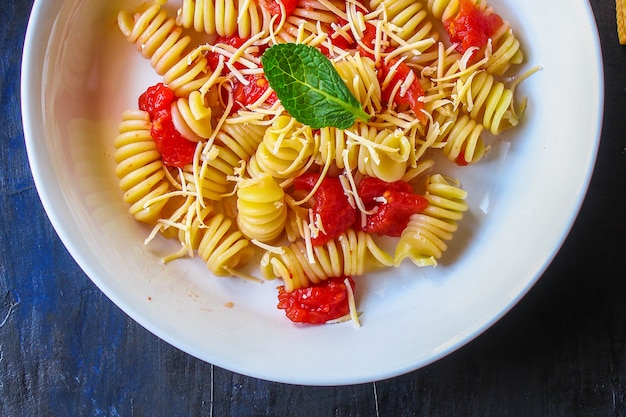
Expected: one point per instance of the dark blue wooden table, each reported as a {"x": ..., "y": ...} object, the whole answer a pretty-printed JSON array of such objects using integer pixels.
[{"x": 66, "y": 350}]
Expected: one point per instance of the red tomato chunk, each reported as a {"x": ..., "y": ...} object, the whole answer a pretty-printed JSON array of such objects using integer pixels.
[
  {"x": 175, "y": 150},
  {"x": 273, "y": 6},
  {"x": 394, "y": 202},
  {"x": 156, "y": 98},
  {"x": 317, "y": 304},
  {"x": 472, "y": 26},
  {"x": 331, "y": 205},
  {"x": 246, "y": 94},
  {"x": 213, "y": 58},
  {"x": 411, "y": 98}
]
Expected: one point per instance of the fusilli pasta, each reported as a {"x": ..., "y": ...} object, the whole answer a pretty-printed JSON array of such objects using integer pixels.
[{"x": 239, "y": 194}]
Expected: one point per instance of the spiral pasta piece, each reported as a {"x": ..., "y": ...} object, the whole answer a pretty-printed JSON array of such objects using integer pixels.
[
  {"x": 463, "y": 142},
  {"x": 383, "y": 154},
  {"x": 242, "y": 138},
  {"x": 161, "y": 40},
  {"x": 261, "y": 208},
  {"x": 506, "y": 51},
  {"x": 505, "y": 47},
  {"x": 222, "y": 247},
  {"x": 359, "y": 74},
  {"x": 351, "y": 254},
  {"x": 297, "y": 220},
  {"x": 212, "y": 179},
  {"x": 192, "y": 118},
  {"x": 409, "y": 20},
  {"x": 489, "y": 102},
  {"x": 188, "y": 222},
  {"x": 243, "y": 18},
  {"x": 305, "y": 18},
  {"x": 485, "y": 99},
  {"x": 443, "y": 9},
  {"x": 423, "y": 240},
  {"x": 334, "y": 148},
  {"x": 287, "y": 148},
  {"x": 139, "y": 167}
]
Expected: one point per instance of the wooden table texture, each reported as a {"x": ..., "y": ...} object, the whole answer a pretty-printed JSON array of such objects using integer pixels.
[{"x": 67, "y": 350}]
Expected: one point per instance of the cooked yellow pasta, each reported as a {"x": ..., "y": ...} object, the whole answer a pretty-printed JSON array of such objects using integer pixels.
[
  {"x": 303, "y": 22},
  {"x": 409, "y": 26},
  {"x": 139, "y": 167},
  {"x": 443, "y": 9},
  {"x": 351, "y": 254},
  {"x": 242, "y": 192},
  {"x": 243, "y": 18},
  {"x": 383, "y": 153},
  {"x": 161, "y": 40},
  {"x": 463, "y": 142},
  {"x": 211, "y": 177},
  {"x": 423, "y": 240},
  {"x": 192, "y": 117},
  {"x": 488, "y": 101},
  {"x": 261, "y": 208},
  {"x": 223, "y": 248},
  {"x": 286, "y": 149},
  {"x": 504, "y": 49},
  {"x": 242, "y": 138}
]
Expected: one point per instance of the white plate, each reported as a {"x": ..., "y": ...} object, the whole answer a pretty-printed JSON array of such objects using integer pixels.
[{"x": 79, "y": 74}]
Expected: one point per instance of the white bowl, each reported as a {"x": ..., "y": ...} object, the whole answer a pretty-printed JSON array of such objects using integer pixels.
[{"x": 79, "y": 74}]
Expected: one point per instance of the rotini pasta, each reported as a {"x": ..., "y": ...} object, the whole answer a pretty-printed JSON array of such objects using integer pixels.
[
  {"x": 242, "y": 139},
  {"x": 488, "y": 101},
  {"x": 359, "y": 74},
  {"x": 305, "y": 18},
  {"x": 192, "y": 117},
  {"x": 139, "y": 167},
  {"x": 262, "y": 182},
  {"x": 221, "y": 246},
  {"x": 161, "y": 40},
  {"x": 410, "y": 29},
  {"x": 261, "y": 208},
  {"x": 243, "y": 18},
  {"x": 443, "y": 9},
  {"x": 212, "y": 176},
  {"x": 504, "y": 49},
  {"x": 352, "y": 254},
  {"x": 286, "y": 149},
  {"x": 462, "y": 141},
  {"x": 383, "y": 153},
  {"x": 423, "y": 240}
]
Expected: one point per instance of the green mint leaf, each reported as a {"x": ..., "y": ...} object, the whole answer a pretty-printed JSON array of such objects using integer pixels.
[{"x": 309, "y": 87}]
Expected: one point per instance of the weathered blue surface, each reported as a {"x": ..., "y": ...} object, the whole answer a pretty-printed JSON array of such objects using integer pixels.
[{"x": 66, "y": 350}]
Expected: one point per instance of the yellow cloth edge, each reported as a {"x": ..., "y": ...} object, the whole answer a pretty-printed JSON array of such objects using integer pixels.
[{"x": 620, "y": 9}]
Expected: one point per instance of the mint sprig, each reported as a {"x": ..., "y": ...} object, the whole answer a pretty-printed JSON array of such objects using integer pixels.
[{"x": 309, "y": 87}]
